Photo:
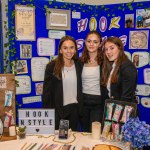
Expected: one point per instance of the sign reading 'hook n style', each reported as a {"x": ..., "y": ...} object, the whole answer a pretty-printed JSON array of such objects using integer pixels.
[{"x": 37, "y": 121}]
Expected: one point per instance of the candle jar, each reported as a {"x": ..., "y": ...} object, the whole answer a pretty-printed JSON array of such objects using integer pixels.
[
  {"x": 96, "y": 130},
  {"x": 12, "y": 131}
]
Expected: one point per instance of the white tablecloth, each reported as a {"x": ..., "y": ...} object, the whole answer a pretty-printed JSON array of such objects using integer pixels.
[{"x": 77, "y": 140}]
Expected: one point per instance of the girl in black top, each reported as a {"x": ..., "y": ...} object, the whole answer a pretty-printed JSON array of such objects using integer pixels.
[
  {"x": 62, "y": 88},
  {"x": 119, "y": 74}
]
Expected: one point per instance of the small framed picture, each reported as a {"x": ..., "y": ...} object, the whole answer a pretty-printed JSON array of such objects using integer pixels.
[
  {"x": 25, "y": 50},
  {"x": 25, "y": 23},
  {"x": 136, "y": 60},
  {"x": 39, "y": 88},
  {"x": 20, "y": 67},
  {"x": 58, "y": 19},
  {"x": 63, "y": 129},
  {"x": 139, "y": 39},
  {"x": 142, "y": 18},
  {"x": 140, "y": 59},
  {"x": 129, "y": 21},
  {"x": 8, "y": 98}
]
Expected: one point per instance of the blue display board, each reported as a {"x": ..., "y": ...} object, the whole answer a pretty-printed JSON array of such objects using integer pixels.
[{"x": 130, "y": 22}]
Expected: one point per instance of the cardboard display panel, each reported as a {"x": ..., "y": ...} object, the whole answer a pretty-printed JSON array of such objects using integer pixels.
[{"x": 7, "y": 105}]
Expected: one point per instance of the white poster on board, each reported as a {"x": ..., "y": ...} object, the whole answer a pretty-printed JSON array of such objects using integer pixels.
[
  {"x": 45, "y": 46},
  {"x": 140, "y": 59},
  {"x": 24, "y": 84},
  {"x": 143, "y": 90},
  {"x": 31, "y": 99},
  {"x": 56, "y": 34},
  {"x": 38, "y": 65},
  {"x": 76, "y": 15},
  {"x": 147, "y": 75}
]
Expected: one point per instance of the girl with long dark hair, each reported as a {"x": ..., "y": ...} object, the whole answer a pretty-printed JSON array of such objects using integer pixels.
[{"x": 62, "y": 88}]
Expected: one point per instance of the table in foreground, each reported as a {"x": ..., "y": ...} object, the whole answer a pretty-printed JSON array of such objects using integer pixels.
[{"x": 76, "y": 141}]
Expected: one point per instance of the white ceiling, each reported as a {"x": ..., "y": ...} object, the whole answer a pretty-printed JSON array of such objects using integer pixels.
[{"x": 102, "y": 2}]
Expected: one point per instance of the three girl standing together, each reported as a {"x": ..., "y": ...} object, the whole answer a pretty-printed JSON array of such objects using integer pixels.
[{"x": 79, "y": 88}]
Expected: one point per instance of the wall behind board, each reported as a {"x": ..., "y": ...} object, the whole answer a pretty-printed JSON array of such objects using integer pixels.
[
  {"x": 130, "y": 22},
  {"x": 102, "y": 2}
]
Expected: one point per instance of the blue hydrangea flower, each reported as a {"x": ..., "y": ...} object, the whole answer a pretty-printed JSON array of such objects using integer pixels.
[{"x": 137, "y": 132}]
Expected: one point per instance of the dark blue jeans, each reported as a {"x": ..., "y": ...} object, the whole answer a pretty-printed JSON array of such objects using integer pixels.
[{"x": 92, "y": 111}]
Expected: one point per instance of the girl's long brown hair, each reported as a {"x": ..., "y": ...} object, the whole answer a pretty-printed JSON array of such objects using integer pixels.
[
  {"x": 85, "y": 55},
  {"x": 59, "y": 61},
  {"x": 107, "y": 65}
]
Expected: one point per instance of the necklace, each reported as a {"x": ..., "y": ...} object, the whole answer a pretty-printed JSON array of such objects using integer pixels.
[
  {"x": 66, "y": 70},
  {"x": 92, "y": 61},
  {"x": 69, "y": 68}
]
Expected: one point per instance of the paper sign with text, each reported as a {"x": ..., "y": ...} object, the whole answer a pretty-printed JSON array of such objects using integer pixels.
[{"x": 37, "y": 121}]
